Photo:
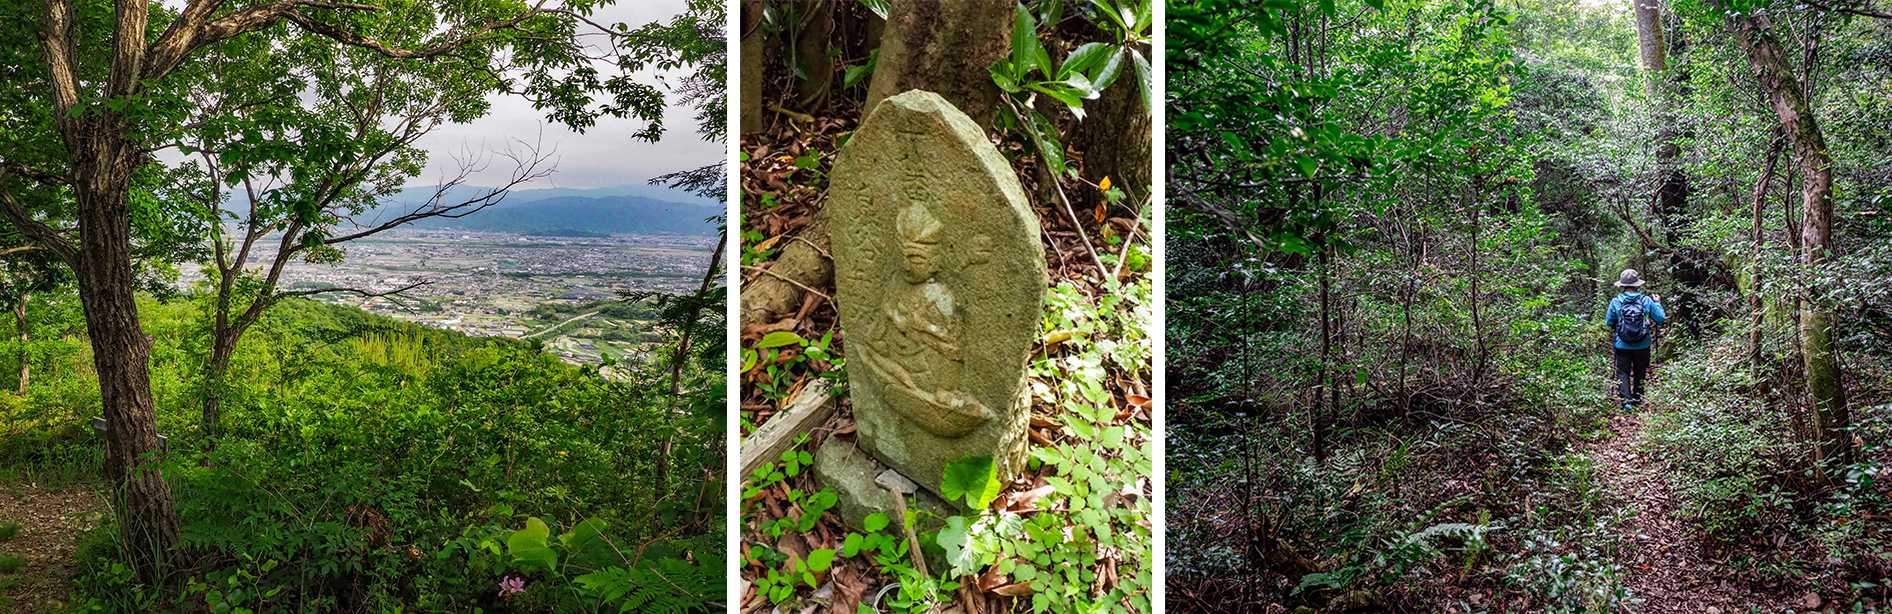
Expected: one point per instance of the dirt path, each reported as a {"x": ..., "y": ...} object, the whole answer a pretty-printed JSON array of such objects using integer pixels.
[
  {"x": 52, "y": 522},
  {"x": 1663, "y": 561}
]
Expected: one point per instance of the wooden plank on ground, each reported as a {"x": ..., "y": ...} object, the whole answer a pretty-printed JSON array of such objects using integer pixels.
[{"x": 809, "y": 410}]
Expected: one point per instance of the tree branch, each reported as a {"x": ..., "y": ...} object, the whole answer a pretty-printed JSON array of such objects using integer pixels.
[
  {"x": 1864, "y": 12},
  {"x": 194, "y": 29},
  {"x": 363, "y": 293},
  {"x": 530, "y": 168},
  {"x": 23, "y": 170},
  {"x": 1719, "y": 270},
  {"x": 352, "y": 39},
  {"x": 128, "y": 47},
  {"x": 36, "y": 230},
  {"x": 62, "y": 59}
]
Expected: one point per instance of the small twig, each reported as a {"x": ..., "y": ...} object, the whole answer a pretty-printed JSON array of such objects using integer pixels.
[
  {"x": 1045, "y": 159},
  {"x": 1865, "y": 12},
  {"x": 794, "y": 115},
  {"x": 1136, "y": 223},
  {"x": 824, "y": 253},
  {"x": 785, "y": 278},
  {"x": 1075, "y": 222}
]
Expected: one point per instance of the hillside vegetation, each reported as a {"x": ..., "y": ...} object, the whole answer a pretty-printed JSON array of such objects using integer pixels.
[{"x": 373, "y": 465}]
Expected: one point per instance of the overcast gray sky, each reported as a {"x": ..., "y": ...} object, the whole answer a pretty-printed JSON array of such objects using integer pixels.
[{"x": 605, "y": 155}]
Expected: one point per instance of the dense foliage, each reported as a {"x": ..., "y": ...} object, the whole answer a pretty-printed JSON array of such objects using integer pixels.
[
  {"x": 1393, "y": 226},
  {"x": 369, "y": 463}
]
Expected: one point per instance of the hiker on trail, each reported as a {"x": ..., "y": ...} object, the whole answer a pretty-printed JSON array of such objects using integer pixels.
[{"x": 1632, "y": 317}]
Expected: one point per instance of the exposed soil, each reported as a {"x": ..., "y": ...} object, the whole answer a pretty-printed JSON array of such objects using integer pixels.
[
  {"x": 1668, "y": 565},
  {"x": 52, "y": 520}
]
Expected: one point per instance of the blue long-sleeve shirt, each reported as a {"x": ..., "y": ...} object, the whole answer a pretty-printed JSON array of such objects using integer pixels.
[{"x": 1650, "y": 308}]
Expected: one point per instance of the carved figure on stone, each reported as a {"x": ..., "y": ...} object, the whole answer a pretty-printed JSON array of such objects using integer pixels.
[
  {"x": 940, "y": 282},
  {"x": 916, "y": 345}
]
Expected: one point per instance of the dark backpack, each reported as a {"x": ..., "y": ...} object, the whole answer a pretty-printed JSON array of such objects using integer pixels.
[{"x": 1631, "y": 326}]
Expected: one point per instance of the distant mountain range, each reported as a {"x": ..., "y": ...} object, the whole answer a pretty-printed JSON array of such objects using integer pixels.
[{"x": 633, "y": 209}]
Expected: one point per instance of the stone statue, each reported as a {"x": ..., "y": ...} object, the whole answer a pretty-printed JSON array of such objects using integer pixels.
[{"x": 940, "y": 281}]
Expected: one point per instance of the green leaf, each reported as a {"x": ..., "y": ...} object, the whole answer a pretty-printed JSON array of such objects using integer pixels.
[
  {"x": 879, "y": 7},
  {"x": 1082, "y": 86},
  {"x": 587, "y": 531},
  {"x": 528, "y": 548},
  {"x": 1002, "y": 75},
  {"x": 779, "y": 338},
  {"x": 1060, "y": 91},
  {"x": 974, "y": 478},
  {"x": 1143, "y": 78},
  {"x": 1106, "y": 71},
  {"x": 1116, "y": 17},
  {"x": 1024, "y": 35},
  {"x": 1041, "y": 58},
  {"x": 857, "y": 73},
  {"x": 1046, "y": 140},
  {"x": 875, "y": 522},
  {"x": 1083, "y": 58},
  {"x": 956, "y": 540},
  {"x": 820, "y": 560}
]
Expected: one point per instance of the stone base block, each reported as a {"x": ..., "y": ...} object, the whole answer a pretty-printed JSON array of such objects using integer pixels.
[{"x": 843, "y": 466}]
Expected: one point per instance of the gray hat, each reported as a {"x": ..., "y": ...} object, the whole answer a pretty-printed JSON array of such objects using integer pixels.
[{"x": 1630, "y": 279}]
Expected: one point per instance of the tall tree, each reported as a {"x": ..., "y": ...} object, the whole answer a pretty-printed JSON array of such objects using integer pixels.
[
  {"x": 109, "y": 94},
  {"x": 1792, "y": 108}
]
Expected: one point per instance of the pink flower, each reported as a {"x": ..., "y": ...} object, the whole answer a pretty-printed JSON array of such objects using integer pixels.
[{"x": 511, "y": 584}]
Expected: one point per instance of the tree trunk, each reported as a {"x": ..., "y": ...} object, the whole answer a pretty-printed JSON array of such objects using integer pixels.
[
  {"x": 1833, "y": 447},
  {"x": 1478, "y": 322},
  {"x": 26, "y": 360},
  {"x": 223, "y": 344},
  {"x": 1117, "y": 138},
  {"x": 682, "y": 354},
  {"x": 1649, "y": 40},
  {"x": 944, "y": 46},
  {"x": 1326, "y": 354},
  {"x": 813, "y": 32},
  {"x": 1759, "y": 238},
  {"x": 1671, "y": 198},
  {"x": 1118, "y": 132},
  {"x": 752, "y": 58},
  {"x": 103, "y": 161}
]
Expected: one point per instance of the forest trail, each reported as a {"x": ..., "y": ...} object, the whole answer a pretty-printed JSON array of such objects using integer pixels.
[
  {"x": 53, "y": 521},
  {"x": 1662, "y": 562}
]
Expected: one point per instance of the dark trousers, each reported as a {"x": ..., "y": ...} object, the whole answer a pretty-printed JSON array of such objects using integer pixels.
[{"x": 1632, "y": 366}]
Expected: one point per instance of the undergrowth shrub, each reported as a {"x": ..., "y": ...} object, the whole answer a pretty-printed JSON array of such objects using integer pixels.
[{"x": 1731, "y": 457}]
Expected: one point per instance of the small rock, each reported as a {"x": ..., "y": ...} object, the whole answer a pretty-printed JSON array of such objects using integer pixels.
[
  {"x": 1714, "y": 610},
  {"x": 1812, "y": 601}
]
